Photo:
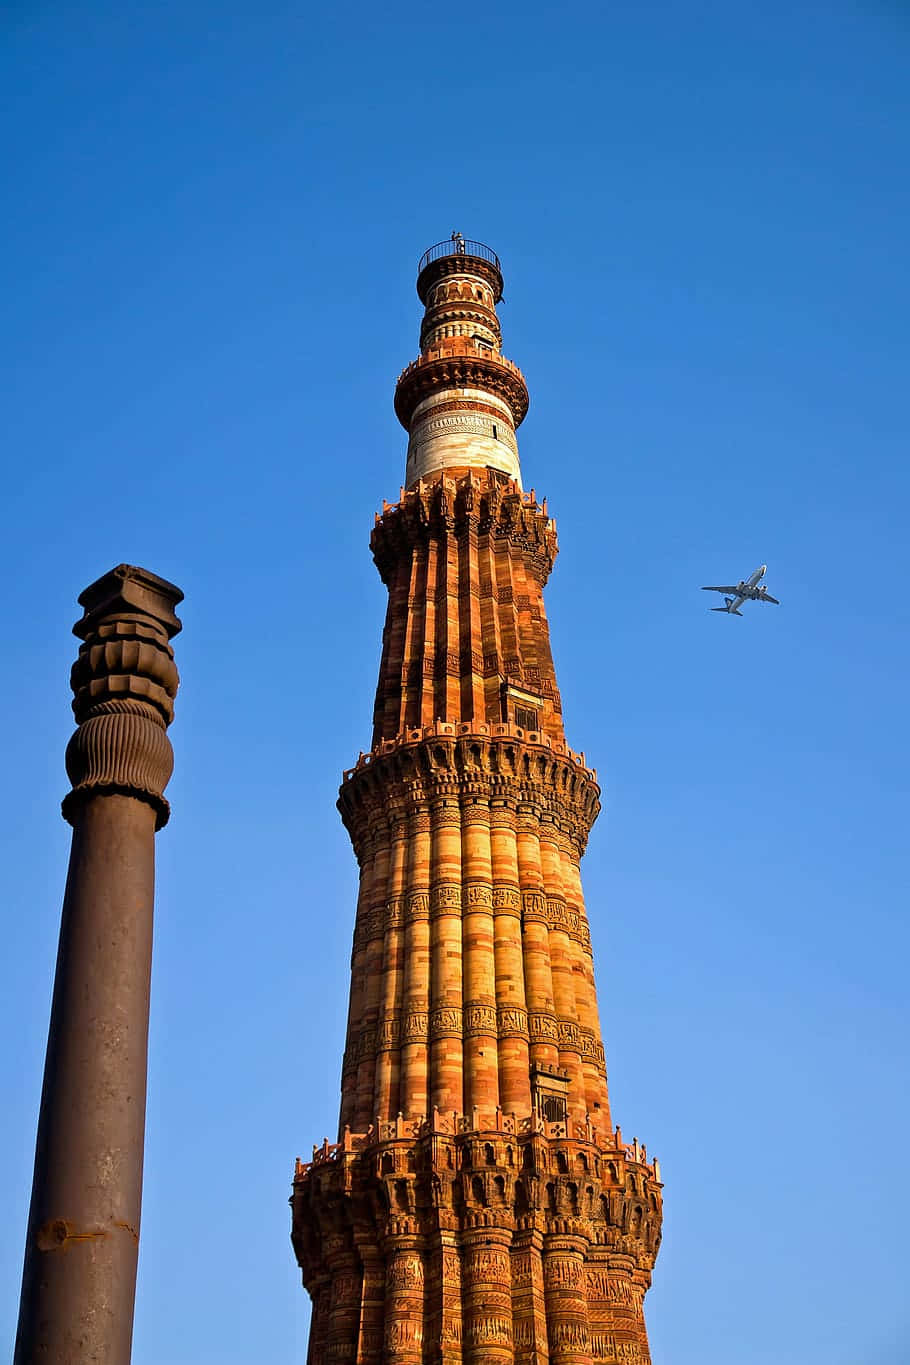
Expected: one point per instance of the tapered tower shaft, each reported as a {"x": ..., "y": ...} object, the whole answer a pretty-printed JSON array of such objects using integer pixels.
[{"x": 478, "y": 1205}]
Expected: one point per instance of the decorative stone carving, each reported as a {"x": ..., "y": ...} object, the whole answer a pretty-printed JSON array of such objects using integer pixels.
[
  {"x": 479, "y": 1019},
  {"x": 124, "y": 683}
]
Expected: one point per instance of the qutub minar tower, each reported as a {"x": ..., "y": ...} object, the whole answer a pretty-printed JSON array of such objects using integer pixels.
[{"x": 478, "y": 1206}]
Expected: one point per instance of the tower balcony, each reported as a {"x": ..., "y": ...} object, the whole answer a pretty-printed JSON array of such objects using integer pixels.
[
  {"x": 458, "y": 246},
  {"x": 459, "y": 255},
  {"x": 461, "y": 363}
]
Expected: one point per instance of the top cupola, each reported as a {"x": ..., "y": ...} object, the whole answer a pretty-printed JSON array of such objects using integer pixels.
[{"x": 461, "y": 400}]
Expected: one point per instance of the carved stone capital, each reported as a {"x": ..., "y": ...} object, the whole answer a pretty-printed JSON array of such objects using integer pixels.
[{"x": 124, "y": 683}]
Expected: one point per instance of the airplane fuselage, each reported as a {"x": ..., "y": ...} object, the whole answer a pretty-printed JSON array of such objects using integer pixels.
[{"x": 746, "y": 590}]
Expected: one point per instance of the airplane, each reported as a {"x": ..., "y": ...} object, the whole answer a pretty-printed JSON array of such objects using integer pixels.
[{"x": 746, "y": 590}]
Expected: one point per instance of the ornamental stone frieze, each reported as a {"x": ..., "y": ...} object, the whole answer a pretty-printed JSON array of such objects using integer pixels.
[{"x": 478, "y": 1207}]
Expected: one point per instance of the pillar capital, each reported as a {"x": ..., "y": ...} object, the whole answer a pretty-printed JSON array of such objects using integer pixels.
[{"x": 124, "y": 684}]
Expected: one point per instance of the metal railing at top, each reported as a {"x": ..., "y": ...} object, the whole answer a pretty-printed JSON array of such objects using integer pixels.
[{"x": 458, "y": 246}]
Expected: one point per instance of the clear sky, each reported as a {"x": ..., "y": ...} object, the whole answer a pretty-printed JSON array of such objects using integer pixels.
[{"x": 213, "y": 221}]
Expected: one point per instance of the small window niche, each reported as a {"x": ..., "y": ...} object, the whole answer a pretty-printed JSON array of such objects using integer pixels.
[
  {"x": 550, "y": 1094},
  {"x": 522, "y": 708}
]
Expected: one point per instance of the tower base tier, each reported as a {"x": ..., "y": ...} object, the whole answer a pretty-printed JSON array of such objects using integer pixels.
[{"x": 445, "y": 1243}]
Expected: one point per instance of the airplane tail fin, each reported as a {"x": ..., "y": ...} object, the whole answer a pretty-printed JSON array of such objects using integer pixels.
[{"x": 728, "y": 607}]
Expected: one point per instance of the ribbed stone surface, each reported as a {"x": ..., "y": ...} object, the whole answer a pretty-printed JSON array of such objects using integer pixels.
[{"x": 476, "y": 1162}]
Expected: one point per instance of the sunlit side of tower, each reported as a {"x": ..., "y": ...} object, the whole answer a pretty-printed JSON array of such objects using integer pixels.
[{"x": 478, "y": 1205}]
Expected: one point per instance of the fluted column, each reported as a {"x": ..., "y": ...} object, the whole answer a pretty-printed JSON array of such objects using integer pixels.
[
  {"x": 321, "y": 1295},
  {"x": 511, "y": 1006},
  {"x": 372, "y": 1302},
  {"x": 446, "y": 1046},
  {"x": 566, "y": 1300},
  {"x": 473, "y": 704},
  {"x": 528, "y": 1305},
  {"x": 481, "y": 1045},
  {"x": 373, "y": 929},
  {"x": 403, "y": 1302},
  {"x": 487, "y": 1297},
  {"x": 593, "y": 1064},
  {"x": 641, "y": 1283},
  {"x": 343, "y": 1328},
  {"x": 415, "y": 644},
  {"x": 561, "y": 967},
  {"x": 542, "y": 1026},
  {"x": 353, "y": 1048},
  {"x": 429, "y": 707},
  {"x": 82, "y": 1242},
  {"x": 448, "y": 628},
  {"x": 415, "y": 1003},
  {"x": 615, "y": 1305},
  {"x": 388, "y": 1056}
]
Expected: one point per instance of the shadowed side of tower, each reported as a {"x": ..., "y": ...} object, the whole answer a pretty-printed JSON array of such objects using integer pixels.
[{"x": 478, "y": 1205}]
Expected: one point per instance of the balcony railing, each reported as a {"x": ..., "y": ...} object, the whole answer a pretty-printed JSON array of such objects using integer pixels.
[
  {"x": 458, "y": 246},
  {"x": 610, "y": 1145}
]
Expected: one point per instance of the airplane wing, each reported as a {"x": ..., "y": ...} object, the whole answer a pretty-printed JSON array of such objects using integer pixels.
[
  {"x": 766, "y": 597},
  {"x": 732, "y": 588}
]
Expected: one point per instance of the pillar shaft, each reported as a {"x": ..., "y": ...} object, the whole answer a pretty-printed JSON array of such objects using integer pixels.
[{"x": 82, "y": 1243}]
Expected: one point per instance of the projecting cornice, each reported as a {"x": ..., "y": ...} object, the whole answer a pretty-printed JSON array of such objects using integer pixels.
[
  {"x": 481, "y": 501},
  {"x": 481, "y": 767},
  {"x": 463, "y": 364}
]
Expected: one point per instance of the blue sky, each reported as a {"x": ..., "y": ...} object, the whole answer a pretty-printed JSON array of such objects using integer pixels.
[{"x": 209, "y": 254}]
